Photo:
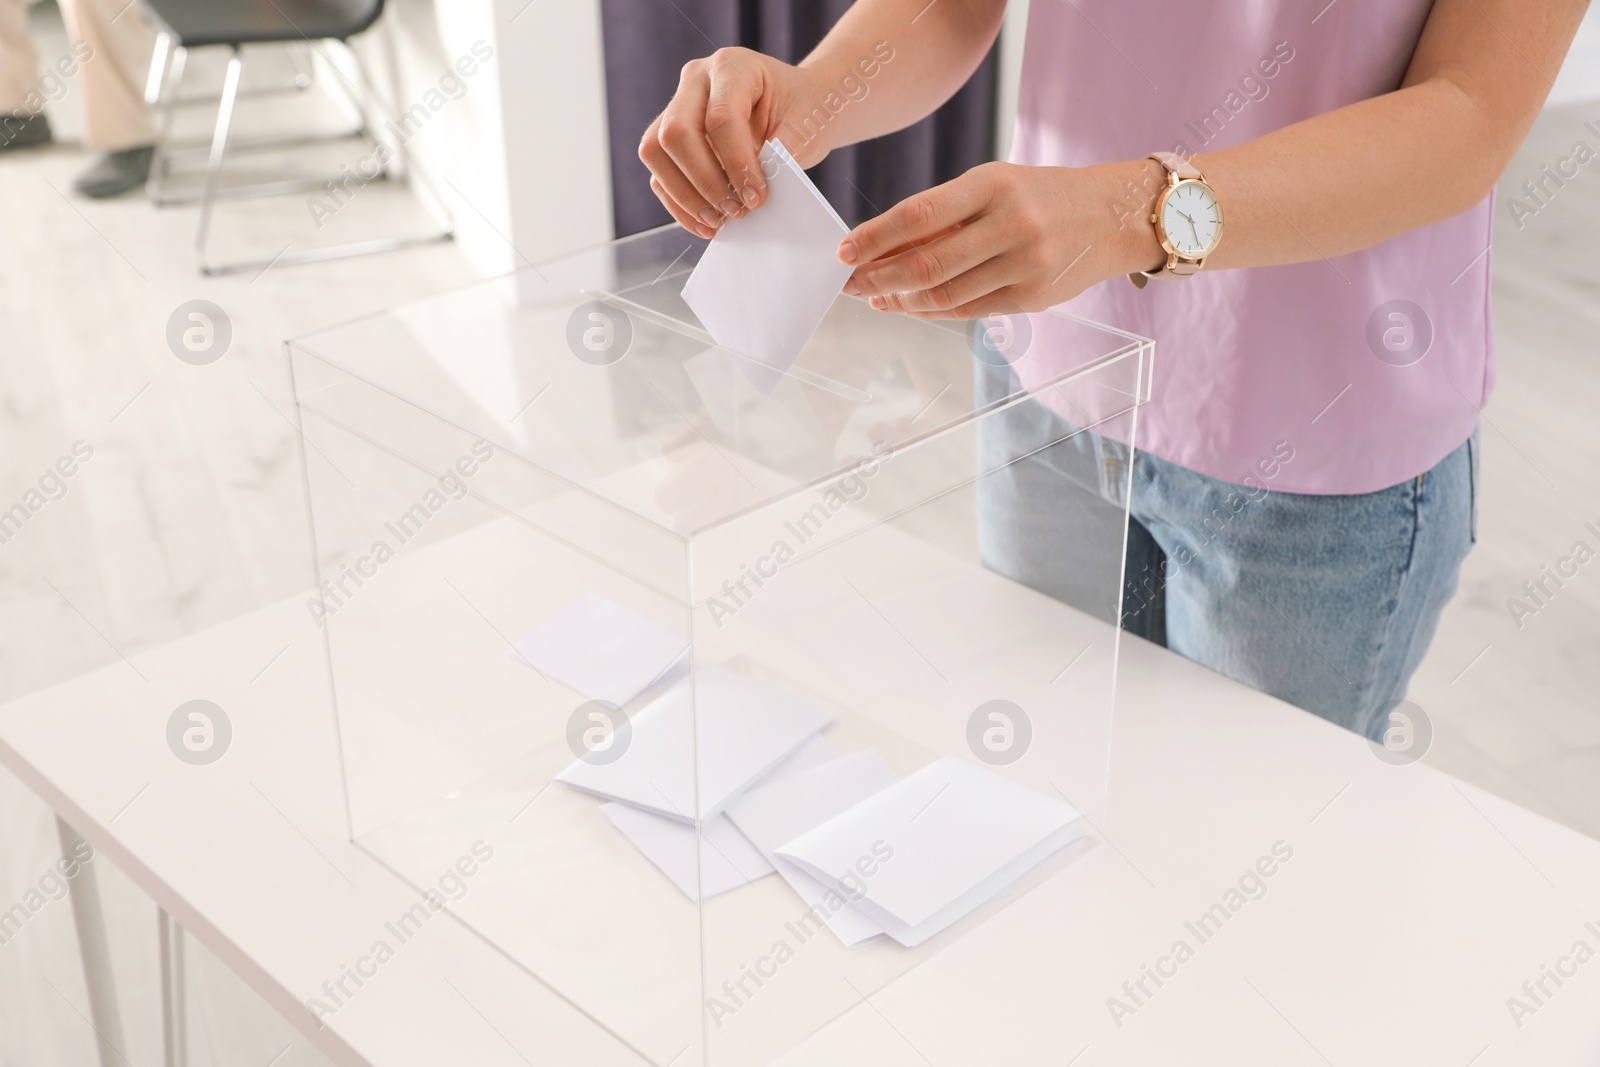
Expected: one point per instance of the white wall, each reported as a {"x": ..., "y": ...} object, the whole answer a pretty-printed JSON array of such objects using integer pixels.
[{"x": 521, "y": 157}]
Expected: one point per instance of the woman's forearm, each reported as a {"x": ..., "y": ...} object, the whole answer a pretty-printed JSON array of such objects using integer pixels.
[
  {"x": 1362, "y": 174},
  {"x": 888, "y": 63},
  {"x": 1032, "y": 237}
]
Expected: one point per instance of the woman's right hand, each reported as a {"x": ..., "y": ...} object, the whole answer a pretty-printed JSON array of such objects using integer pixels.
[{"x": 702, "y": 150}]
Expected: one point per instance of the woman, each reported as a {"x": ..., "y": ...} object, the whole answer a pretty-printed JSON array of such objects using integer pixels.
[{"x": 1314, "y": 229}]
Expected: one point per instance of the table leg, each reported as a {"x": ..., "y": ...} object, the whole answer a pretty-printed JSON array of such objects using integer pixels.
[
  {"x": 89, "y": 918},
  {"x": 174, "y": 995}
]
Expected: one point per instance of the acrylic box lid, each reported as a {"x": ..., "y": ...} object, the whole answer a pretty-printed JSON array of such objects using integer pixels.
[{"x": 591, "y": 367}]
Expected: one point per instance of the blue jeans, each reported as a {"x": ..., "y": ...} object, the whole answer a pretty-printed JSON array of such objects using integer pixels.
[{"x": 1327, "y": 602}]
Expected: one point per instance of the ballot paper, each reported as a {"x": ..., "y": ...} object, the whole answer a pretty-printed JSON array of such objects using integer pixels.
[
  {"x": 768, "y": 279},
  {"x": 775, "y": 813},
  {"x": 604, "y": 651},
  {"x": 917, "y": 856},
  {"x": 725, "y": 857},
  {"x": 745, "y": 730}
]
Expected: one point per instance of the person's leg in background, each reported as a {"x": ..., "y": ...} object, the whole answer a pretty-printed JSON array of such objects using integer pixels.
[
  {"x": 116, "y": 121},
  {"x": 1327, "y": 602},
  {"x": 23, "y": 122}
]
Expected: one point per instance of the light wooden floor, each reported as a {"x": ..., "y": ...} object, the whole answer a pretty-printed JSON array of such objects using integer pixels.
[{"x": 191, "y": 512}]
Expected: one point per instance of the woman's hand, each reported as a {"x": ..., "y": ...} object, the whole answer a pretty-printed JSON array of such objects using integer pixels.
[
  {"x": 1002, "y": 238},
  {"x": 702, "y": 150}
]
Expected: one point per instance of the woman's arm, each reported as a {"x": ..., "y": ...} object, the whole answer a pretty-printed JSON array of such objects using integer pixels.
[
  {"x": 702, "y": 150},
  {"x": 937, "y": 46},
  {"x": 1362, "y": 174},
  {"x": 1332, "y": 184}
]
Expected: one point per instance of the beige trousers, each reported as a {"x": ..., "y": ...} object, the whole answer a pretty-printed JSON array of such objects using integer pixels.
[{"x": 110, "y": 58}]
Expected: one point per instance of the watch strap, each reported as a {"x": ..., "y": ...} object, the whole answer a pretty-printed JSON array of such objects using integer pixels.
[
  {"x": 1181, "y": 169},
  {"x": 1179, "y": 165}
]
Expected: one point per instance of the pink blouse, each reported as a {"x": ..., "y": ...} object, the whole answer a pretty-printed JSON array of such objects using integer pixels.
[{"x": 1370, "y": 367}]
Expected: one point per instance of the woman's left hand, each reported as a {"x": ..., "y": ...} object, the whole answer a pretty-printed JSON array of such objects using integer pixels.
[{"x": 1003, "y": 238}]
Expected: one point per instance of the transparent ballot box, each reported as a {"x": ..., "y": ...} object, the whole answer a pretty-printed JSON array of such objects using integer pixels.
[{"x": 718, "y": 694}]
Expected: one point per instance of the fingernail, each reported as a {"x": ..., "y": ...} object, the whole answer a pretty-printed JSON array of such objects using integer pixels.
[
  {"x": 710, "y": 218},
  {"x": 847, "y": 251},
  {"x": 731, "y": 207},
  {"x": 881, "y": 303},
  {"x": 751, "y": 196},
  {"x": 852, "y": 287}
]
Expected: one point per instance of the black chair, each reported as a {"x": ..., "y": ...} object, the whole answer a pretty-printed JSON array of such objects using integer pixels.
[{"x": 188, "y": 24}]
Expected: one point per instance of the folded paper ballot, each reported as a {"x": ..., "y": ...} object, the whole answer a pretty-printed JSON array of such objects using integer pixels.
[
  {"x": 745, "y": 729},
  {"x": 775, "y": 813},
  {"x": 917, "y": 856},
  {"x": 723, "y": 858},
  {"x": 602, "y": 650},
  {"x": 767, "y": 280}
]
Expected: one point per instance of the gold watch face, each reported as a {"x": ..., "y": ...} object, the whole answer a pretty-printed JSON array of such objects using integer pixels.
[{"x": 1191, "y": 219}]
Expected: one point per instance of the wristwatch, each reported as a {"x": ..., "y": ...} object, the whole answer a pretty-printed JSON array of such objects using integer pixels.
[{"x": 1187, "y": 218}]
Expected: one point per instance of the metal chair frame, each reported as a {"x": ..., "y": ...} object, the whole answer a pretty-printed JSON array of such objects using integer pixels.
[
  {"x": 304, "y": 76},
  {"x": 163, "y": 95}
]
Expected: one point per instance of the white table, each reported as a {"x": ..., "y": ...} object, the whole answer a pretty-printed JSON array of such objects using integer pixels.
[{"x": 1412, "y": 908}]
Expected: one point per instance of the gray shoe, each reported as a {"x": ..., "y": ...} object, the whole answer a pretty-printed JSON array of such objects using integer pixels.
[
  {"x": 115, "y": 173},
  {"x": 24, "y": 131}
]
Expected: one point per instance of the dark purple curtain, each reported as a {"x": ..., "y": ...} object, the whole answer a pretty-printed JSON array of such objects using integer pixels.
[{"x": 648, "y": 41}]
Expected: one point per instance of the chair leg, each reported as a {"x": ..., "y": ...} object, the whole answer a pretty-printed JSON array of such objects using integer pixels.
[
  {"x": 167, "y": 89},
  {"x": 219, "y": 148},
  {"x": 360, "y": 95},
  {"x": 352, "y": 92},
  {"x": 214, "y": 192},
  {"x": 158, "y": 69}
]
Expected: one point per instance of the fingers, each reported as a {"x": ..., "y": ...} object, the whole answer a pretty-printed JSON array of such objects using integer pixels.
[
  {"x": 701, "y": 150},
  {"x": 1003, "y": 301},
  {"x": 928, "y": 265},
  {"x": 996, "y": 303},
  {"x": 918, "y": 218},
  {"x": 680, "y": 213},
  {"x": 682, "y": 132},
  {"x": 902, "y": 249},
  {"x": 673, "y": 187},
  {"x": 735, "y": 91},
  {"x": 960, "y": 291}
]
